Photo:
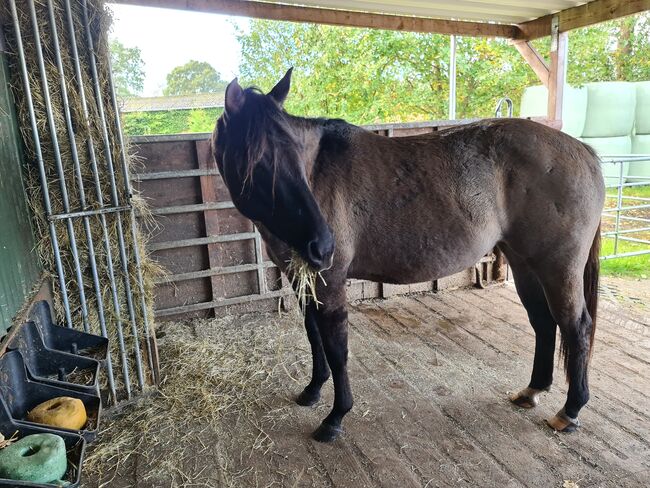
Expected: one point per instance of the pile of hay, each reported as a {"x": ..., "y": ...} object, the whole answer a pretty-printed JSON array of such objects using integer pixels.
[
  {"x": 99, "y": 21},
  {"x": 217, "y": 374}
]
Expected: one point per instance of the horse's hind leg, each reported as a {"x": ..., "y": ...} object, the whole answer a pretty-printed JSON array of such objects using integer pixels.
[
  {"x": 532, "y": 297},
  {"x": 565, "y": 294},
  {"x": 320, "y": 371}
]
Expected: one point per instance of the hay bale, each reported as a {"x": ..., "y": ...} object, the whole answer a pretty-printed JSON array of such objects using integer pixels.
[{"x": 96, "y": 196}]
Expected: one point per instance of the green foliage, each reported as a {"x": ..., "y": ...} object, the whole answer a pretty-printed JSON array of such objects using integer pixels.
[
  {"x": 128, "y": 69},
  {"x": 193, "y": 77},
  {"x": 170, "y": 121},
  {"x": 370, "y": 76},
  {"x": 611, "y": 51}
]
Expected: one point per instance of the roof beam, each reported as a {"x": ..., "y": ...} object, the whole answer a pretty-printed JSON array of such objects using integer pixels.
[
  {"x": 534, "y": 60},
  {"x": 582, "y": 16},
  {"x": 293, "y": 13}
]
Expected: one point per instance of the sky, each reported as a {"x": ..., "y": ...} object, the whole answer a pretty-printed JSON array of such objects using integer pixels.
[{"x": 169, "y": 38}]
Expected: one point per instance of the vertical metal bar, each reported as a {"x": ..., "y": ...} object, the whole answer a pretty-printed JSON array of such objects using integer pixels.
[
  {"x": 100, "y": 201},
  {"x": 59, "y": 164},
  {"x": 619, "y": 204},
  {"x": 41, "y": 164},
  {"x": 452, "y": 78},
  {"x": 134, "y": 237},
  {"x": 82, "y": 195},
  {"x": 259, "y": 258},
  {"x": 114, "y": 195}
]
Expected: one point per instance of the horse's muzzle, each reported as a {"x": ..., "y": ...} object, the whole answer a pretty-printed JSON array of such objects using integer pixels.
[{"x": 320, "y": 251}]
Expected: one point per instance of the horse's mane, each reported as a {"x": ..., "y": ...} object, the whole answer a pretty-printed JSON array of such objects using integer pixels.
[{"x": 263, "y": 130}]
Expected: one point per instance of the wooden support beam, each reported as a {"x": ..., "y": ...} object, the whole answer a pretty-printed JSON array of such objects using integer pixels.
[
  {"x": 294, "y": 13},
  {"x": 557, "y": 72},
  {"x": 582, "y": 16},
  {"x": 534, "y": 60}
]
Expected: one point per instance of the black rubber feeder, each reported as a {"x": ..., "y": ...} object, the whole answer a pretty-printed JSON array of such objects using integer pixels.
[
  {"x": 54, "y": 367},
  {"x": 63, "y": 339},
  {"x": 74, "y": 443},
  {"x": 21, "y": 394}
]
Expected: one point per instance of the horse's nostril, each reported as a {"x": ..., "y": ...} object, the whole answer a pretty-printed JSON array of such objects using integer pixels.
[{"x": 315, "y": 252}]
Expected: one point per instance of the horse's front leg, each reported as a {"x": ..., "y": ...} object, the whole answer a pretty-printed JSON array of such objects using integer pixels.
[
  {"x": 320, "y": 370},
  {"x": 332, "y": 323}
]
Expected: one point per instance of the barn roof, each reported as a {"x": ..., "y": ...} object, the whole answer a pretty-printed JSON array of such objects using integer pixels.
[
  {"x": 517, "y": 19},
  {"x": 178, "y": 102}
]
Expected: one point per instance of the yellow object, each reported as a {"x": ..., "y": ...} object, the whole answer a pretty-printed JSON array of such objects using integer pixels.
[{"x": 64, "y": 412}]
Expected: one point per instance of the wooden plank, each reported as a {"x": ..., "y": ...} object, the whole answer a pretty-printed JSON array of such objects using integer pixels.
[
  {"x": 168, "y": 175},
  {"x": 293, "y": 13},
  {"x": 534, "y": 60},
  {"x": 557, "y": 71},
  {"x": 210, "y": 217},
  {"x": 198, "y": 207},
  {"x": 582, "y": 16},
  {"x": 221, "y": 303},
  {"x": 201, "y": 241},
  {"x": 205, "y": 273}
]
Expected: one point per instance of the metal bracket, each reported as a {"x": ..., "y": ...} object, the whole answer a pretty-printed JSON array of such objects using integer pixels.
[{"x": 555, "y": 32}]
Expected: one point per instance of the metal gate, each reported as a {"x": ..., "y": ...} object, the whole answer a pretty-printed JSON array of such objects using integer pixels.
[
  {"x": 81, "y": 195},
  {"x": 626, "y": 217}
]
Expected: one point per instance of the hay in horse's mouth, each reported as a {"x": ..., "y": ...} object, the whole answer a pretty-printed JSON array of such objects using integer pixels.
[{"x": 303, "y": 279}]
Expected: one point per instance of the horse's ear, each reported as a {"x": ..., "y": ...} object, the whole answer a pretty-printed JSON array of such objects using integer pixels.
[
  {"x": 234, "y": 99},
  {"x": 281, "y": 90}
]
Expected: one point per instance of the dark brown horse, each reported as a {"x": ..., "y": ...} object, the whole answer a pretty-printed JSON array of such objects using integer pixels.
[{"x": 359, "y": 205}]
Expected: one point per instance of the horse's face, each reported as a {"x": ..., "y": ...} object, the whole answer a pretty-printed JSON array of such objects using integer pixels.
[{"x": 260, "y": 159}]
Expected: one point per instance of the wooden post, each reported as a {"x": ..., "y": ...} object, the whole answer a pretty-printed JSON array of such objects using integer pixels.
[
  {"x": 557, "y": 70},
  {"x": 209, "y": 195}
]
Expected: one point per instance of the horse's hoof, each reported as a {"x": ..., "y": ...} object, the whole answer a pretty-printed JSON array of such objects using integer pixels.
[
  {"x": 307, "y": 398},
  {"x": 326, "y": 433},
  {"x": 561, "y": 422},
  {"x": 526, "y": 398}
]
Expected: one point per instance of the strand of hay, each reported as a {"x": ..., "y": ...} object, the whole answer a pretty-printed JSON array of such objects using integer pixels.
[
  {"x": 304, "y": 280},
  {"x": 99, "y": 20}
]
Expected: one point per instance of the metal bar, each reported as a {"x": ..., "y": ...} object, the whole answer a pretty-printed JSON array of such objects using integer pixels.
[
  {"x": 625, "y": 217},
  {"x": 626, "y": 254},
  {"x": 206, "y": 273},
  {"x": 165, "y": 175},
  {"x": 222, "y": 303},
  {"x": 199, "y": 207},
  {"x": 100, "y": 199},
  {"x": 259, "y": 259},
  {"x": 58, "y": 163},
  {"x": 626, "y": 231},
  {"x": 114, "y": 195},
  {"x": 88, "y": 213},
  {"x": 153, "y": 364},
  {"x": 634, "y": 239},
  {"x": 200, "y": 241},
  {"x": 452, "y": 77},
  {"x": 632, "y": 207},
  {"x": 619, "y": 204},
  {"x": 41, "y": 164},
  {"x": 82, "y": 195}
]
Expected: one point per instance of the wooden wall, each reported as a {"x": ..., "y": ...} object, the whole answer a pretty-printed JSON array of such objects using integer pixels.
[{"x": 214, "y": 257}]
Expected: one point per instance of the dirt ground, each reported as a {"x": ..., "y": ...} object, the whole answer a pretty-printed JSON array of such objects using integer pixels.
[{"x": 430, "y": 374}]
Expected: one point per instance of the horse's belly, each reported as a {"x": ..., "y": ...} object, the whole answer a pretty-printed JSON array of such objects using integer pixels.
[{"x": 413, "y": 263}]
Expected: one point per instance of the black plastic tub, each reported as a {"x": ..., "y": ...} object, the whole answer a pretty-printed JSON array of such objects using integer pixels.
[
  {"x": 74, "y": 443},
  {"x": 62, "y": 339},
  {"x": 21, "y": 394},
  {"x": 55, "y": 367}
]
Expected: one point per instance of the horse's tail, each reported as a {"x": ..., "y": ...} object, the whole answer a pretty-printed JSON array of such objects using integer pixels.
[
  {"x": 591, "y": 275},
  {"x": 590, "y": 279}
]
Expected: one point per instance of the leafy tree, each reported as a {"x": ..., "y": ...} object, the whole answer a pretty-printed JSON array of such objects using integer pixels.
[
  {"x": 193, "y": 77},
  {"x": 369, "y": 76},
  {"x": 128, "y": 69}
]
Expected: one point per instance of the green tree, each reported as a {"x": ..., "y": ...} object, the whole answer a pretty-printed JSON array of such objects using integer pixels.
[
  {"x": 128, "y": 69},
  {"x": 193, "y": 77},
  {"x": 370, "y": 76}
]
